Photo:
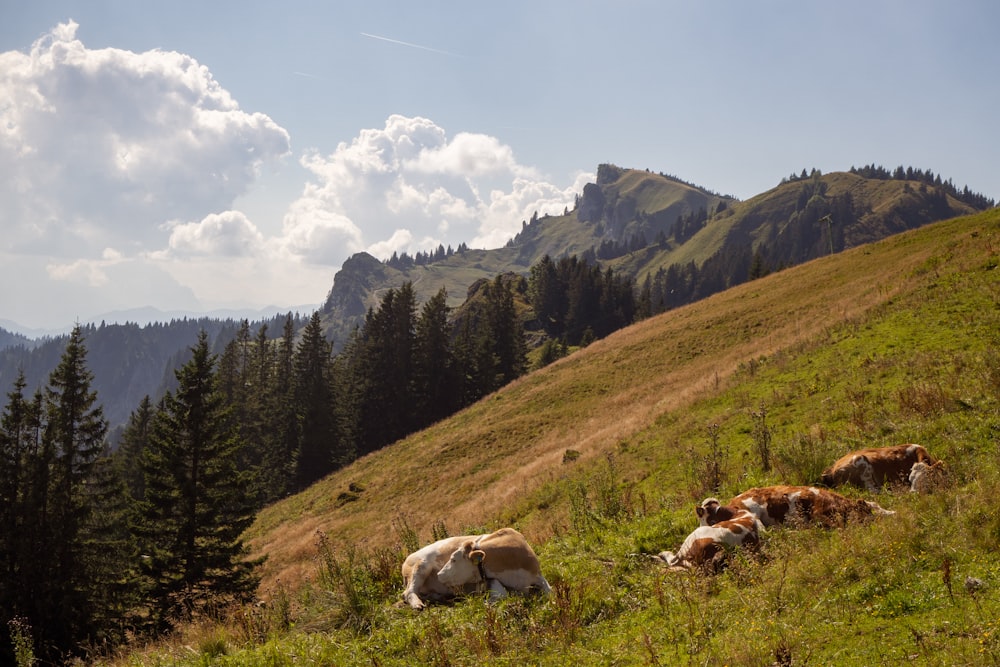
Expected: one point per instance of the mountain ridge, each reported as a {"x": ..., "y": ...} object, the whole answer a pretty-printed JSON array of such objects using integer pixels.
[{"x": 641, "y": 223}]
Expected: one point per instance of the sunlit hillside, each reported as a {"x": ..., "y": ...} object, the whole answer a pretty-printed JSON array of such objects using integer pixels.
[{"x": 600, "y": 458}]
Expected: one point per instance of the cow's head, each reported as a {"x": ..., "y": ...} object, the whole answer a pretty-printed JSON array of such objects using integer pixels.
[
  {"x": 463, "y": 567},
  {"x": 711, "y": 512},
  {"x": 924, "y": 477},
  {"x": 707, "y": 511}
]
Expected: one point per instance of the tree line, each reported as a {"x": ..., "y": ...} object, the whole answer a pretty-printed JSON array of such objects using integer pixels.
[{"x": 925, "y": 176}]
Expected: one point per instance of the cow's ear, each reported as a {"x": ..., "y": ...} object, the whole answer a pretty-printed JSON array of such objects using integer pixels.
[{"x": 477, "y": 556}]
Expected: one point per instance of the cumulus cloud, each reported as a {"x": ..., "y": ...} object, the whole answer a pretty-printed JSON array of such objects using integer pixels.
[
  {"x": 98, "y": 147},
  {"x": 227, "y": 234},
  {"x": 409, "y": 187},
  {"x": 119, "y": 173}
]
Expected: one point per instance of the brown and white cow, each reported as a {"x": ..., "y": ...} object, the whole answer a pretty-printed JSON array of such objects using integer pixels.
[
  {"x": 774, "y": 505},
  {"x": 876, "y": 467},
  {"x": 501, "y": 561},
  {"x": 924, "y": 477},
  {"x": 705, "y": 547}
]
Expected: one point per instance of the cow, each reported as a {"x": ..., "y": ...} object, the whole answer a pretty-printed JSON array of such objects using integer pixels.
[
  {"x": 876, "y": 467},
  {"x": 926, "y": 477},
  {"x": 501, "y": 561},
  {"x": 775, "y": 505},
  {"x": 705, "y": 548}
]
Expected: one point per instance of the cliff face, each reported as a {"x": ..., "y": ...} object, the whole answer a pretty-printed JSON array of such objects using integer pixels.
[{"x": 360, "y": 273}]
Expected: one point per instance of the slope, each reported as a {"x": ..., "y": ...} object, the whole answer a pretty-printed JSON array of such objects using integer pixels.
[{"x": 477, "y": 468}]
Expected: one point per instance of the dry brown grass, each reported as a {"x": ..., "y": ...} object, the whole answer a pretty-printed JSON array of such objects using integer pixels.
[{"x": 465, "y": 470}]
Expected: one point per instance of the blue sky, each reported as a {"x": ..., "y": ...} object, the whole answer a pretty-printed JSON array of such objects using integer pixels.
[{"x": 203, "y": 155}]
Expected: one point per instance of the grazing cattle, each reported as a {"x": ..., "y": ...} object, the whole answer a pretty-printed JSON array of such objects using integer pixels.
[
  {"x": 924, "y": 477},
  {"x": 705, "y": 547},
  {"x": 774, "y": 505},
  {"x": 501, "y": 561},
  {"x": 875, "y": 467}
]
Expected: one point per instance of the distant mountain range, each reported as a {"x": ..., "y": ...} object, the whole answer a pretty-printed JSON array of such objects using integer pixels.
[
  {"x": 680, "y": 242},
  {"x": 642, "y": 223}
]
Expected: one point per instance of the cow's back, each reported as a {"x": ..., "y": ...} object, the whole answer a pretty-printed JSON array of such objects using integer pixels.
[
  {"x": 770, "y": 504},
  {"x": 876, "y": 466},
  {"x": 508, "y": 551},
  {"x": 780, "y": 504}
]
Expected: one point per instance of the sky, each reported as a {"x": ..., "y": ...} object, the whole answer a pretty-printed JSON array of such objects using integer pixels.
[{"x": 194, "y": 156}]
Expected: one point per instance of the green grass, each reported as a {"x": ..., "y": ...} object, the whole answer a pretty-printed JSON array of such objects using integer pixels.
[{"x": 896, "y": 342}]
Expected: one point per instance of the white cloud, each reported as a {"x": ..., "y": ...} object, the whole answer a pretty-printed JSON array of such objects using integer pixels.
[
  {"x": 409, "y": 187},
  {"x": 99, "y": 146},
  {"x": 227, "y": 234},
  {"x": 100, "y": 150}
]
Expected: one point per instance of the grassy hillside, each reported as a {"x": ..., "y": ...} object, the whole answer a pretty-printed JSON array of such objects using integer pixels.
[{"x": 599, "y": 459}]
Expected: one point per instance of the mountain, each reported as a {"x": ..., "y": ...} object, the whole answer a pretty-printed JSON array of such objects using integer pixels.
[
  {"x": 600, "y": 457},
  {"x": 642, "y": 224},
  {"x": 14, "y": 339}
]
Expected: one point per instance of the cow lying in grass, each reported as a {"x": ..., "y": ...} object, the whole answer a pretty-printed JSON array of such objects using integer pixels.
[
  {"x": 924, "y": 477},
  {"x": 705, "y": 548},
  {"x": 774, "y": 505},
  {"x": 876, "y": 467},
  {"x": 501, "y": 561},
  {"x": 741, "y": 522}
]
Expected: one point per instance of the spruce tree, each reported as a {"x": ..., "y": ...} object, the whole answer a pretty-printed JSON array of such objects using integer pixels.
[
  {"x": 320, "y": 446},
  {"x": 281, "y": 457},
  {"x": 505, "y": 331},
  {"x": 134, "y": 440},
  {"x": 73, "y": 434},
  {"x": 196, "y": 505},
  {"x": 435, "y": 380},
  {"x": 20, "y": 434}
]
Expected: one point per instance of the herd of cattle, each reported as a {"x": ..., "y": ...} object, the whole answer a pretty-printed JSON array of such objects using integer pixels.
[{"x": 503, "y": 561}]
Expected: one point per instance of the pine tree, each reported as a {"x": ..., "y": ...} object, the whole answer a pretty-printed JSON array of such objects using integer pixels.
[
  {"x": 281, "y": 457},
  {"x": 20, "y": 434},
  {"x": 74, "y": 434},
  {"x": 505, "y": 334},
  {"x": 381, "y": 372},
  {"x": 134, "y": 440},
  {"x": 239, "y": 378},
  {"x": 314, "y": 400},
  {"x": 196, "y": 504},
  {"x": 434, "y": 378},
  {"x": 548, "y": 296}
]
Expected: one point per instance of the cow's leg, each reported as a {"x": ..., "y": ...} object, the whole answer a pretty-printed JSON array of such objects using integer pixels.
[
  {"x": 669, "y": 557},
  {"x": 411, "y": 598},
  {"x": 497, "y": 590},
  {"x": 417, "y": 578}
]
